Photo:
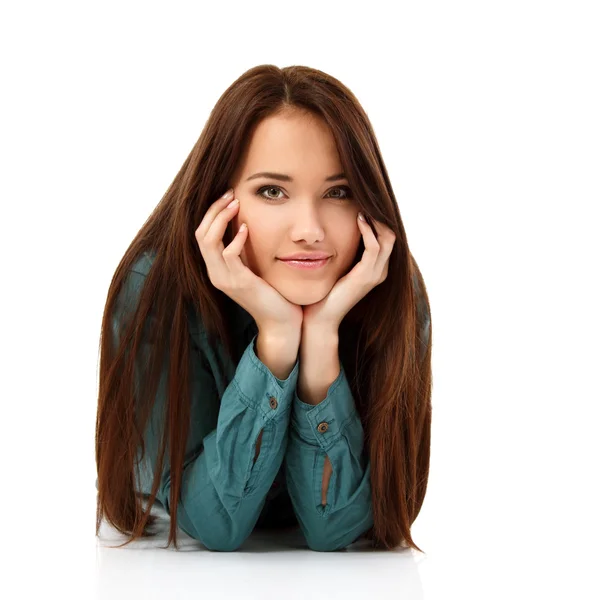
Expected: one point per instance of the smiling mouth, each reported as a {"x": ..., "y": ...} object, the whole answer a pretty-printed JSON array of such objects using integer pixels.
[{"x": 306, "y": 263}]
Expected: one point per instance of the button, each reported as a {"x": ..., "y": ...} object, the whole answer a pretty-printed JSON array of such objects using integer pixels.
[
  {"x": 322, "y": 427},
  {"x": 273, "y": 402}
]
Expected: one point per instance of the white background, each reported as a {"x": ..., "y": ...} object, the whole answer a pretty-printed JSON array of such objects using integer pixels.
[{"x": 487, "y": 114}]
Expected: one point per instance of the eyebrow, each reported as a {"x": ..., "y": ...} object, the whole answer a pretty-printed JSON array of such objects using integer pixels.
[{"x": 282, "y": 177}]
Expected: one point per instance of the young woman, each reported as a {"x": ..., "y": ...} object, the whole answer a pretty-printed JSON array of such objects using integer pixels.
[{"x": 241, "y": 389}]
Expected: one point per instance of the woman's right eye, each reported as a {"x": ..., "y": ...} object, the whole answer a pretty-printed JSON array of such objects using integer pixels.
[{"x": 259, "y": 192}]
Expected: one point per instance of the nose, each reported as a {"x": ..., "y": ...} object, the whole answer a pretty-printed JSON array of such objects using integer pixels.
[{"x": 307, "y": 224}]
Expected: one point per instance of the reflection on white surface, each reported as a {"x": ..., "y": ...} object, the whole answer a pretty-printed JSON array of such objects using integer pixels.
[{"x": 270, "y": 564}]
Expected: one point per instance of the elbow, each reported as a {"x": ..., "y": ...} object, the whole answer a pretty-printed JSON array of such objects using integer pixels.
[
  {"x": 215, "y": 540},
  {"x": 222, "y": 543},
  {"x": 222, "y": 547},
  {"x": 319, "y": 545},
  {"x": 329, "y": 539}
]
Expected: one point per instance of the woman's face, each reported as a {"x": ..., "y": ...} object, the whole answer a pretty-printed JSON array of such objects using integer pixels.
[{"x": 304, "y": 212}]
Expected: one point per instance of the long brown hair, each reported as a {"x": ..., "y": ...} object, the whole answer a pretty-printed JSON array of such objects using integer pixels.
[{"x": 389, "y": 365}]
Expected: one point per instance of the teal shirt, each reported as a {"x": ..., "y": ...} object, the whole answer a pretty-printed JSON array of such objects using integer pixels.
[{"x": 224, "y": 494}]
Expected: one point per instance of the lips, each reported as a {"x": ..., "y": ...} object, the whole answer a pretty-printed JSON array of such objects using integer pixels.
[
  {"x": 306, "y": 263},
  {"x": 314, "y": 256}
]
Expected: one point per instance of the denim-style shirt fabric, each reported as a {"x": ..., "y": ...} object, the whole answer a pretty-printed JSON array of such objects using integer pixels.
[{"x": 224, "y": 493}]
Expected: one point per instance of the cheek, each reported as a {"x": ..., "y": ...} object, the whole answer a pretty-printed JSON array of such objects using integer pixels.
[
  {"x": 259, "y": 242},
  {"x": 353, "y": 242},
  {"x": 354, "y": 250},
  {"x": 263, "y": 251},
  {"x": 261, "y": 228}
]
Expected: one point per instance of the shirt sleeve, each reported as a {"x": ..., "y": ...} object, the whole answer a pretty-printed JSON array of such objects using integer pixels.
[
  {"x": 331, "y": 428},
  {"x": 223, "y": 490}
]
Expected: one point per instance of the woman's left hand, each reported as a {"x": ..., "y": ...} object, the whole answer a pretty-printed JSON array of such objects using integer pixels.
[{"x": 369, "y": 272}]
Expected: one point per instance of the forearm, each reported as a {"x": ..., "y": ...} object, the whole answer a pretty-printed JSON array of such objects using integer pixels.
[
  {"x": 319, "y": 368},
  {"x": 278, "y": 351},
  {"x": 319, "y": 364}
]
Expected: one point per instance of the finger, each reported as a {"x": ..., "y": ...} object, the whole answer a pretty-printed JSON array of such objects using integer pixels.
[
  {"x": 215, "y": 233},
  {"x": 383, "y": 231},
  {"x": 214, "y": 209},
  {"x": 211, "y": 245},
  {"x": 231, "y": 254},
  {"x": 372, "y": 246},
  {"x": 386, "y": 239}
]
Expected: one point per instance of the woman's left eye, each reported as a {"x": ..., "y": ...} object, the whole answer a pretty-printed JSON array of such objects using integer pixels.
[{"x": 347, "y": 191}]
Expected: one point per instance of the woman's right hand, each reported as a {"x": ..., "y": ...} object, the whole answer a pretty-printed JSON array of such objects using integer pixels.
[{"x": 271, "y": 311}]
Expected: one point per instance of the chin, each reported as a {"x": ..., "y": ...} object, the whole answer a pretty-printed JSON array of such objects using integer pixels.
[{"x": 303, "y": 298}]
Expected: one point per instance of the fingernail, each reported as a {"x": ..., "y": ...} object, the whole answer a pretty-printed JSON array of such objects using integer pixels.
[
  {"x": 228, "y": 194},
  {"x": 361, "y": 216},
  {"x": 232, "y": 203}
]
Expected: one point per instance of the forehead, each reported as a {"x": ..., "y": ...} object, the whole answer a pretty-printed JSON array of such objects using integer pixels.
[{"x": 298, "y": 145}]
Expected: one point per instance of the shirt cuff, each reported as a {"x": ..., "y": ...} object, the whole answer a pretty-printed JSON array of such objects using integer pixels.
[
  {"x": 252, "y": 375},
  {"x": 322, "y": 424}
]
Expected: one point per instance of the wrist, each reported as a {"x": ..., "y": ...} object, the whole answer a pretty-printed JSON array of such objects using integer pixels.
[
  {"x": 280, "y": 335},
  {"x": 278, "y": 351},
  {"x": 326, "y": 334}
]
